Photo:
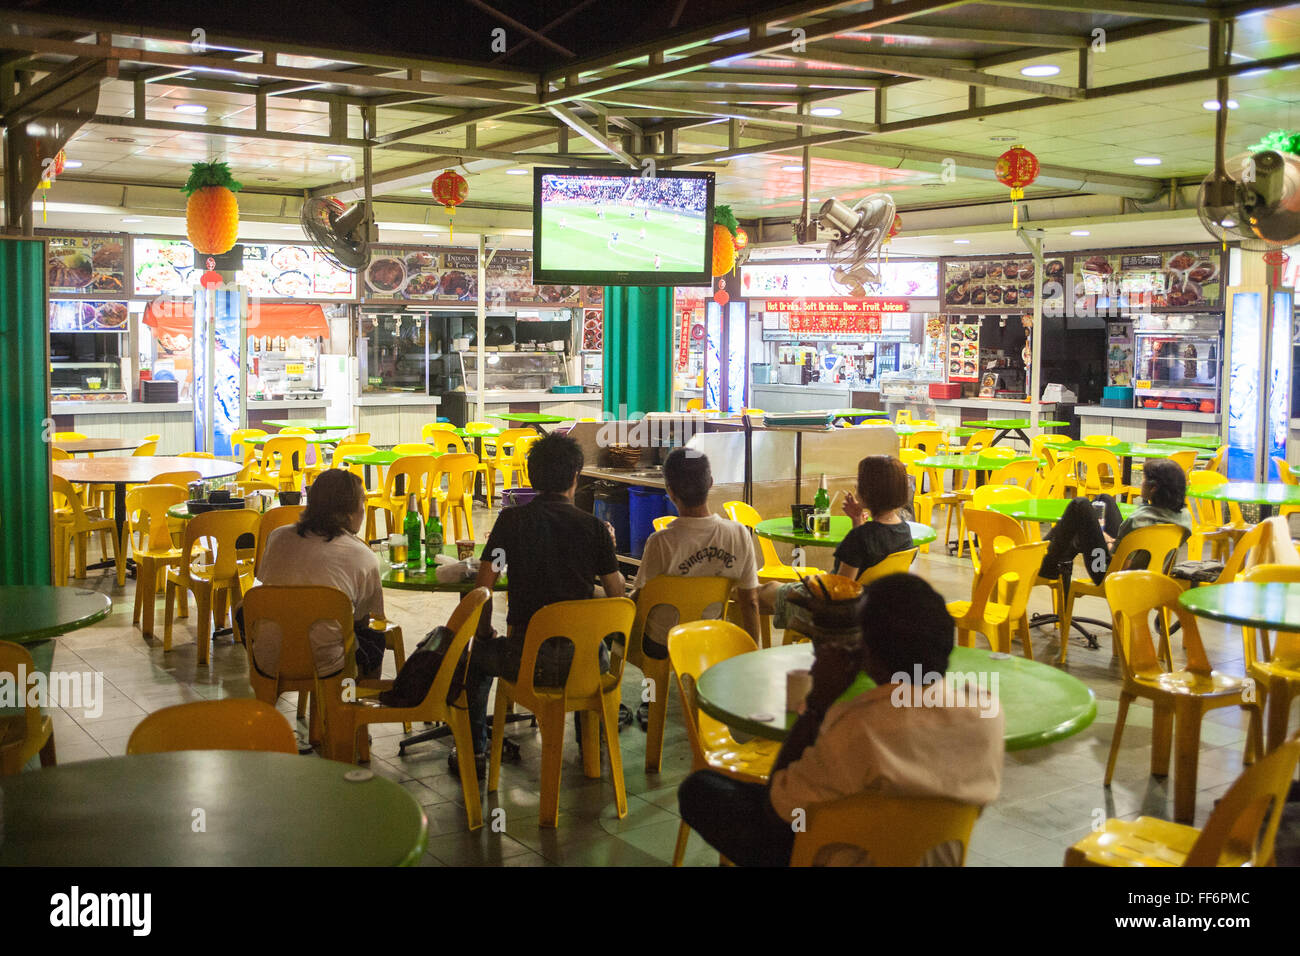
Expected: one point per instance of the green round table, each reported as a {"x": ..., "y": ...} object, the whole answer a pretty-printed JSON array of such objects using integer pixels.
[
  {"x": 1041, "y": 704},
  {"x": 36, "y": 612},
  {"x": 1210, "y": 443},
  {"x": 973, "y": 462},
  {"x": 1043, "y": 509},
  {"x": 401, "y": 578},
  {"x": 782, "y": 529},
  {"x": 533, "y": 418},
  {"x": 1274, "y": 606},
  {"x": 1269, "y": 495},
  {"x": 259, "y": 440},
  {"x": 1015, "y": 427},
  {"x": 259, "y": 809},
  {"x": 1136, "y": 449},
  {"x": 299, "y": 423}
]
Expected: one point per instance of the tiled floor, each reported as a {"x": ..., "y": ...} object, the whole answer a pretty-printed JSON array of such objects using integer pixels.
[{"x": 1050, "y": 796}]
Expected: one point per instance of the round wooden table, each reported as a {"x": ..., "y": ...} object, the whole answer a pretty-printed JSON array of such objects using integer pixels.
[
  {"x": 1041, "y": 704},
  {"x": 259, "y": 809},
  {"x": 782, "y": 529},
  {"x": 87, "y": 446},
  {"x": 120, "y": 472}
]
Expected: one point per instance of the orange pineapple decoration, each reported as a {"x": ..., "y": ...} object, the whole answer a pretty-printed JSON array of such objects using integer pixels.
[
  {"x": 724, "y": 241},
  {"x": 212, "y": 212}
]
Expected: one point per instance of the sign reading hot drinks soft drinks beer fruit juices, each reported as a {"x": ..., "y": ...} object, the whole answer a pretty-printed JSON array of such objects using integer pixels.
[{"x": 819, "y": 315}]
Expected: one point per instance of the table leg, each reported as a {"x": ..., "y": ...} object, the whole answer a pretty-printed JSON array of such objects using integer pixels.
[{"x": 798, "y": 466}]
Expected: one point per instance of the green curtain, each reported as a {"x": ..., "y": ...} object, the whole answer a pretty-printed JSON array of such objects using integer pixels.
[
  {"x": 25, "y": 427},
  {"x": 638, "y": 350}
]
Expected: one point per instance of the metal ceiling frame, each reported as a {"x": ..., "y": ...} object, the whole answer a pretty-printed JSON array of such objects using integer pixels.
[{"x": 629, "y": 104}]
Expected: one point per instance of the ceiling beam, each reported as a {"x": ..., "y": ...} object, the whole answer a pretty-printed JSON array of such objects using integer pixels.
[
  {"x": 243, "y": 132},
  {"x": 762, "y": 43},
  {"x": 919, "y": 31},
  {"x": 704, "y": 106},
  {"x": 1144, "y": 9},
  {"x": 55, "y": 89},
  {"x": 591, "y": 134}
]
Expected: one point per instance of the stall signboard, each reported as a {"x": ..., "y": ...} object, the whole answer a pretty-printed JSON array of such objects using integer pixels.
[
  {"x": 1123, "y": 282},
  {"x": 963, "y": 349},
  {"x": 163, "y": 267},
  {"x": 593, "y": 330},
  {"x": 916, "y": 279},
  {"x": 997, "y": 285},
  {"x": 293, "y": 272},
  {"x": 87, "y": 315},
  {"x": 838, "y": 306},
  {"x": 1119, "y": 354},
  {"x": 812, "y": 323},
  {"x": 685, "y": 320},
  {"x": 432, "y": 275},
  {"x": 87, "y": 265}
]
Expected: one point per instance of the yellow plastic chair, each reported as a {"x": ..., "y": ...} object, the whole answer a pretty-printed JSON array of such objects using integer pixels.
[
  {"x": 456, "y": 503},
  {"x": 418, "y": 474},
  {"x": 692, "y": 649},
  {"x": 695, "y": 405},
  {"x": 981, "y": 439},
  {"x": 217, "y": 578},
  {"x": 73, "y": 524},
  {"x": 445, "y": 443},
  {"x": 1273, "y": 664},
  {"x": 296, "y": 430},
  {"x": 1102, "y": 441},
  {"x": 58, "y": 454},
  {"x": 240, "y": 447},
  {"x": 1099, "y": 472},
  {"x": 922, "y": 501},
  {"x": 1018, "y": 473},
  {"x": 428, "y": 428},
  {"x": 1216, "y": 463},
  {"x": 152, "y": 438},
  {"x": 291, "y": 613},
  {"x": 1059, "y": 482},
  {"x": 990, "y": 533},
  {"x": 348, "y": 719},
  {"x": 1207, "y": 518},
  {"x": 690, "y": 599},
  {"x": 273, "y": 519},
  {"x": 283, "y": 460},
  {"x": 886, "y": 831},
  {"x": 343, "y": 450},
  {"x": 1186, "y": 460},
  {"x": 196, "y": 454},
  {"x": 663, "y": 521},
  {"x": 772, "y": 569},
  {"x": 237, "y": 723},
  {"x": 1160, "y": 541},
  {"x": 147, "y": 536},
  {"x": 1241, "y": 830},
  {"x": 1288, "y": 478},
  {"x": 73, "y": 436},
  {"x": 897, "y": 563},
  {"x": 959, "y": 497},
  {"x": 414, "y": 448},
  {"x": 1039, "y": 444},
  {"x": 585, "y": 624},
  {"x": 181, "y": 478},
  {"x": 1009, "y": 577},
  {"x": 510, "y": 458},
  {"x": 930, "y": 441},
  {"x": 1180, "y": 697},
  {"x": 902, "y": 417},
  {"x": 29, "y": 732},
  {"x": 990, "y": 494}
]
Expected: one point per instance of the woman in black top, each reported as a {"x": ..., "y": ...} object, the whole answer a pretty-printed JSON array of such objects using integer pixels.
[{"x": 879, "y": 528}]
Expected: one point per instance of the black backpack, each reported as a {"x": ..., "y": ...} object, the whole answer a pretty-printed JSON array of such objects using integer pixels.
[{"x": 416, "y": 676}]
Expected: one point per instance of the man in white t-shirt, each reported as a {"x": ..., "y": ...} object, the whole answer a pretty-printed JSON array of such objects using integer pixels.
[{"x": 698, "y": 544}]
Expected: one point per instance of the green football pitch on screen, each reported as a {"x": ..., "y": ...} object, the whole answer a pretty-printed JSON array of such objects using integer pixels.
[{"x": 623, "y": 239}]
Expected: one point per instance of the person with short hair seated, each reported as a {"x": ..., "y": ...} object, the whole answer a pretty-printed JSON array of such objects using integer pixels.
[
  {"x": 890, "y": 739},
  {"x": 1164, "y": 501}
]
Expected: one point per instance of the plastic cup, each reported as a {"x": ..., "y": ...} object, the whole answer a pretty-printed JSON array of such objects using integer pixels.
[
  {"x": 464, "y": 548},
  {"x": 798, "y": 683}
]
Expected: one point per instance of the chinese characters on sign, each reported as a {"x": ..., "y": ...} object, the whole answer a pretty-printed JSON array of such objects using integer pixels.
[{"x": 803, "y": 323}]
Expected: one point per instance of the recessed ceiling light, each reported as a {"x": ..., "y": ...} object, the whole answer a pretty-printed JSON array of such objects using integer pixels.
[
  {"x": 72, "y": 164},
  {"x": 1040, "y": 69},
  {"x": 120, "y": 139},
  {"x": 131, "y": 219},
  {"x": 516, "y": 172},
  {"x": 1147, "y": 161},
  {"x": 194, "y": 108},
  {"x": 792, "y": 168},
  {"x": 962, "y": 242},
  {"x": 338, "y": 157},
  {"x": 826, "y": 111},
  {"x": 1214, "y": 105},
  {"x": 1080, "y": 232}
]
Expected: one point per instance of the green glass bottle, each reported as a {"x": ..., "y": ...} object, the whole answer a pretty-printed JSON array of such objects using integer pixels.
[
  {"x": 432, "y": 538},
  {"x": 411, "y": 528},
  {"x": 822, "y": 501}
]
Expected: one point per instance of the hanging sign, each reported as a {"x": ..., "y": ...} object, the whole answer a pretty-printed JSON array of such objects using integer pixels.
[
  {"x": 809, "y": 323},
  {"x": 839, "y": 306}
]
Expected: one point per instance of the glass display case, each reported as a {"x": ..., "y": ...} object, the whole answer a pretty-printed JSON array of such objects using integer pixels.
[
  {"x": 393, "y": 352},
  {"x": 88, "y": 366},
  {"x": 513, "y": 371},
  {"x": 284, "y": 367},
  {"x": 1176, "y": 362}
]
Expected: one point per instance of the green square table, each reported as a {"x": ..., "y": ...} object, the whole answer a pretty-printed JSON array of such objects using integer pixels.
[
  {"x": 1007, "y": 426},
  {"x": 1041, "y": 704}
]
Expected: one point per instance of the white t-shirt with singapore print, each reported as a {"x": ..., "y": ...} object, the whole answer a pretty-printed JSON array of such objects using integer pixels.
[{"x": 697, "y": 548}]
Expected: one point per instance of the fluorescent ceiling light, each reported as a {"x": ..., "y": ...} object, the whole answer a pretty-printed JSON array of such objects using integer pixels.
[
  {"x": 72, "y": 164},
  {"x": 792, "y": 168},
  {"x": 516, "y": 172},
  {"x": 1214, "y": 105},
  {"x": 194, "y": 108},
  {"x": 1147, "y": 161},
  {"x": 826, "y": 111},
  {"x": 1040, "y": 69},
  {"x": 962, "y": 242},
  {"x": 131, "y": 219},
  {"x": 1080, "y": 232},
  {"x": 338, "y": 157}
]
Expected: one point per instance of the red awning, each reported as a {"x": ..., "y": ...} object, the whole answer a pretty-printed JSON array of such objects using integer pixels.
[{"x": 305, "y": 320}]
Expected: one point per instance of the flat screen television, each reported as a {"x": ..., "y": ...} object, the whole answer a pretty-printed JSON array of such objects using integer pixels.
[{"x": 617, "y": 227}]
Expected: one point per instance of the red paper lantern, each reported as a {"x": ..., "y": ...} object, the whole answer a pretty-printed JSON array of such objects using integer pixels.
[
  {"x": 450, "y": 189},
  {"x": 721, "y": 297},
  {"x": 210, "y": 279},
  {"x": 741, "y": 239},
  {"x": 896, "y": 228},
  {"x": 1017, "y": 168},
  {"x": 1278, "y": 260}
]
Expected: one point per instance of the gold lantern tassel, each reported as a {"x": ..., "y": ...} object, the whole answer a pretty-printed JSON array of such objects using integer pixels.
[
  {"x": 1016, "y": 195},
  {"x": 451, "y": 222}
]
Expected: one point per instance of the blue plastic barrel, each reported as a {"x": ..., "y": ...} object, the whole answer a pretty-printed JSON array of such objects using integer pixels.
[
  {"x": 611, "y": 504},
  {"x": 644, "y": 505}
]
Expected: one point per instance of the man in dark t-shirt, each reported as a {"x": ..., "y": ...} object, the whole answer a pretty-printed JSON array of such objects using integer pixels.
[{"x": 550, "y": 551}]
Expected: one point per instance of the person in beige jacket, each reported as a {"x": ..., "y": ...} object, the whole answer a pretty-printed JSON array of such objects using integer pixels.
[{"x": 893, "y": 739}]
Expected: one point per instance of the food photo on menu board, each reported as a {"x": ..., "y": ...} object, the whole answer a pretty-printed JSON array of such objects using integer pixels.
[
  {"x": 1177, "y": 279},
  {"x": 963, "y": 349},
  {"x": 996, "y": 283},
  {"x": 87, "y": 265},
  {"x": 164, "y": 267},
  {"x": 398, "y": 273},
  {"x": 84, "y": 315},
  {"x": 898, "y": 277},
  {"x": 293, "y": 272}
]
